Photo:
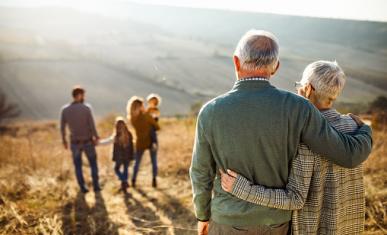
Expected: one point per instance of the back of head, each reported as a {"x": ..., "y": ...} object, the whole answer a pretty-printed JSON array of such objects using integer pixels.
[
  {"x": 134, "y": 105},
  {"x": 327, "y": 78},
  {"x": 155, "y": 97},
  {"x": 78, "y": 92},
  {"x": 257, "y": 49},
  {"x": 122, "y": 135}
]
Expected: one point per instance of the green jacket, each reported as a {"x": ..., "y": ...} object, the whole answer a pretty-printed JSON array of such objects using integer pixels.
[{"x": 255, "y": 129}]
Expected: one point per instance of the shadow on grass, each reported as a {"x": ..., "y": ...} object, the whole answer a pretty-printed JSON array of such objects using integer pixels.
[
  {"x": 79, "y": 218},
  {"x": 145, "y": 220},
  {"x": 183, "y": 219}
]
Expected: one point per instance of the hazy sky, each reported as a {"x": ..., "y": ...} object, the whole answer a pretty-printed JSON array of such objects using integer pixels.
[
  {"x": 375, "y": 10},
  {"x": 348, "y": 9}
]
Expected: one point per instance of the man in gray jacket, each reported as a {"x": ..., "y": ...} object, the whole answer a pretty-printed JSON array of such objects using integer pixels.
[
  {"x": 83, "y": 136},
  {"x": 256, "y": 128}
]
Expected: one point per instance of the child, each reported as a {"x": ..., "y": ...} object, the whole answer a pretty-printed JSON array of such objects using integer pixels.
[
  {"x": 123, "y": 150},
  {"x": 154, "y": 101}
]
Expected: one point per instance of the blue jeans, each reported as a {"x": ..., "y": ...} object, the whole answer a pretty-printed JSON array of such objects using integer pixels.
[
  {"x": 91, "y": 154},
  {"x": 122, "y": 175},
  {"x": 139, "y": 154},
  {"x": 153, "y": 135}
]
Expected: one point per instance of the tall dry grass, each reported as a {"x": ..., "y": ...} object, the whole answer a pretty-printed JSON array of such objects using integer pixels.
[
  {"x": 376, "y": 185},
  {"x": 38, "y": 194}
]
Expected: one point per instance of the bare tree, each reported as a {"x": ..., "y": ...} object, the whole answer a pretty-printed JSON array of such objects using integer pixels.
[{"x": 7, "y": 110}]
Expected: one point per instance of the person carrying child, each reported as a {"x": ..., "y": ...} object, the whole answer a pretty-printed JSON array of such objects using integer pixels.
[{"x": 143, "y": 123}]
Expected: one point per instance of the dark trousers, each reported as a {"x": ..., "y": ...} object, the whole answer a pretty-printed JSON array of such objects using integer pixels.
[
  {"x": 221, "y": 229},
  {"x": 139, "y": 154},
  {"x": 89, "y": 149},
  {"x": 153, "y": 135},
  {"x": 121, "y": 174}
]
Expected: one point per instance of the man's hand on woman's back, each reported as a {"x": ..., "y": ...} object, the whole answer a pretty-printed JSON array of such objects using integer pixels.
[{"x": 357, "y": 119}]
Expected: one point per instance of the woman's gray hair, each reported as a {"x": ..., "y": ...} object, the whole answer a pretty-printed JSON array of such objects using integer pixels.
[
  {"x": 257, "y": 49},
  {"x": 326, "y": 77}
]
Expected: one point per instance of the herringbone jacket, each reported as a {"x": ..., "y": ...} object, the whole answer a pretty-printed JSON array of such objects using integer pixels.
[{"x": 326, "y": 198}]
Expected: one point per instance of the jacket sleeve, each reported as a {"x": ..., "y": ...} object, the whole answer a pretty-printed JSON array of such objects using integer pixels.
[
  {"x": 293, "y": 197},
  {"x": 115, "y": 152},
  {"x": 92, "y": 124},
  {"x": 202, "y": 173},
  {"x": 344, "y": 150},
  {"x": 63, "y": 124},
  {"x": 131, "y": 147},
  {"x": 107, "y": 141}
]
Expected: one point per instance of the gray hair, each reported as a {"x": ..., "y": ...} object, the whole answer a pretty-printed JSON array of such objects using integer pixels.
[
  {"x": 326, "y": 77},
  {"x": 257, "y": 49}
]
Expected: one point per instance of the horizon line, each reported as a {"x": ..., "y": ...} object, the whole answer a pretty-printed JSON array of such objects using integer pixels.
[{"x": 187, "y": 6}]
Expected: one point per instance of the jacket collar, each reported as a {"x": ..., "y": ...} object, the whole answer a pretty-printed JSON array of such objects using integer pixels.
[{"x": 251, "y": 84}]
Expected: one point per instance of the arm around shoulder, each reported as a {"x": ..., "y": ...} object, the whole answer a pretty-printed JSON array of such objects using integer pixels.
[
  {"x": 343, "y": 149},
  {"x": 293, "y": 197}
]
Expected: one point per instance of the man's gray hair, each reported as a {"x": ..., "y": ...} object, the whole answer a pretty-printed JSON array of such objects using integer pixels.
[
  {"x": 257, "y": 49},
  {"x": 326, "y": 77}
]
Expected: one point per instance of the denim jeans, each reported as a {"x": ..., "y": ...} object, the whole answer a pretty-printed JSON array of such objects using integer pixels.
[
  {"x": 89, "y": 149},
  {"x": 122, "y": 175},
  {"x": 139, "y": 154},
  {"x": 153, "y": 135}
]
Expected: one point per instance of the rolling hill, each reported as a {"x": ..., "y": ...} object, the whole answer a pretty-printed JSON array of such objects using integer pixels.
[{"x": 181, "y": 53}]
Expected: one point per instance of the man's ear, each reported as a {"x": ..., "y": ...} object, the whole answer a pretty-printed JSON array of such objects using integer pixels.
[
  {"x": 276, "y": 68},
  {"x": 308, "y": 91},
  {"x": 237, "y": 63}
]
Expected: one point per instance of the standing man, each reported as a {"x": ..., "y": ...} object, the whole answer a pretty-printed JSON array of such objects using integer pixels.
[
  {"x": 255, "y": 129},
  {"x": 83, "y": 136}
]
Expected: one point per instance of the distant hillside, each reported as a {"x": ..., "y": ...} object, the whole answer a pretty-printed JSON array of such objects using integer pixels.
[
  {"x": 360, "y": 46},
  {"x": 182, "y": 54}
]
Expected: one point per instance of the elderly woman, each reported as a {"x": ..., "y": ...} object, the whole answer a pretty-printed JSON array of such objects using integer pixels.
[
  {"x": 143, "y": 124},
  {"x": 325, "y": 198}
]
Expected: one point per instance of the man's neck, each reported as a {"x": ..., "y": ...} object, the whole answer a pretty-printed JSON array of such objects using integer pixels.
[{"x": 256, "y": 74}]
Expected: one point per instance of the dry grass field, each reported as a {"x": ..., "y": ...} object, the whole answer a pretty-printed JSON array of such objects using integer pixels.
[{"x": 38, "y": 193}]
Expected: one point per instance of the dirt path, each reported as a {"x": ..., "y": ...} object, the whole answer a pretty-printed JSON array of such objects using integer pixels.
[
  {"x": 143, "y": 210},
  {"x": 39, "y": 194}
]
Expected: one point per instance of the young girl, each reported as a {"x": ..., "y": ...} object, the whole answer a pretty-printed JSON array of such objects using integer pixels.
[
  {"x": 143, "y": 124},
  {"x": 122, "y": 141},
  {"x": 154, "y": 102}
]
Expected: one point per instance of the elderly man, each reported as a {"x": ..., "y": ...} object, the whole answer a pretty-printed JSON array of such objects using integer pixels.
[
  {"x": 327, "y": 199},
  {"x": 256, "y": 128}
]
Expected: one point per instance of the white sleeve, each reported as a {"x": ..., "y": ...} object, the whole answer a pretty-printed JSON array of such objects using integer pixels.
[{"x": 106, "y": 141}]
